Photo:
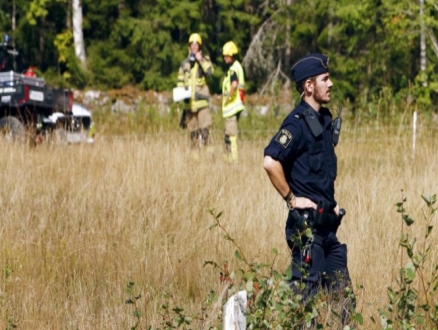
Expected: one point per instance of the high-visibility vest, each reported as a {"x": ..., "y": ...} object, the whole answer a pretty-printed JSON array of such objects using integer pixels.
[
  {"x": 235, "y": 103},
  {"x": 194, "y": 77}
]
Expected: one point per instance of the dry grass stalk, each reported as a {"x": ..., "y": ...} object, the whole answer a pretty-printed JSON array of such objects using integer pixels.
[{"x": 79, "y": 222}]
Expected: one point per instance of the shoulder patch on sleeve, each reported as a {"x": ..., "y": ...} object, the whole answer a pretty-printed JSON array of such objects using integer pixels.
[{"x": 284, "y": 137}]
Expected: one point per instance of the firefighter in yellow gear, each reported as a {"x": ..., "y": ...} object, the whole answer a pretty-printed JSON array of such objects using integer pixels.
[
  {"x": 233, "y": 96},
  {"x": 194, "y": 70}
]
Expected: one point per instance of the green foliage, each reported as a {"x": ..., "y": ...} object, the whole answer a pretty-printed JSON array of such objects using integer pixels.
[
  {"x": 373, "y": 45},
  {"x": 7, "y": 271},
  {"x": 62, "y": 42},
  {"x": 11, "y": 325},
  {"x": 37, "y": 8},
  {"x": 110, "y": 69},
  {"x": 272, "y": 304},
  {"x": 133, "y": 299},
  {"x": 411, "y": 305}
]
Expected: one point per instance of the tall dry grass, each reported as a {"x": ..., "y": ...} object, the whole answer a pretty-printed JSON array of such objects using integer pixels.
[{"x": 80, "y": 222}]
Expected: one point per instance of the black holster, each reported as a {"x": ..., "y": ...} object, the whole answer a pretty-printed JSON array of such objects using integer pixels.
[
  {"x": 320, "y": 220},
  {"x": 297, "y": 221},
  {"x": 323, "y": 217}
]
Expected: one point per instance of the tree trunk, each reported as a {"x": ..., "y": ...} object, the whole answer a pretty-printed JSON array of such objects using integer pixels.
[
  {"x": 41, "y": 43},
  {"x": 287, "y": 55},
  {"x": 14, "y": 23},
  {"x": 423, "y": 44},
  {"x": 14, "y": 16},
  {"x": 68, "y": 23},
  {"x": 78, "y": 35}
]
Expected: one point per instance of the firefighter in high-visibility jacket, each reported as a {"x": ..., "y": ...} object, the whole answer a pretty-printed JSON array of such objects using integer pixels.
[
  {"x": 194, "y": 70},
  {"x": 233, "y": 96}
]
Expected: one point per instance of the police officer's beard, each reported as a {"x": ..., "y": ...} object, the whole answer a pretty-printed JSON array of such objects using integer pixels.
[{"x": 321, "y": 98}]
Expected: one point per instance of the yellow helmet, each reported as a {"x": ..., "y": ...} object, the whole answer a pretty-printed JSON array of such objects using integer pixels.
[
  {"x": 195, "y": 37},
  {"x": 229, "y": 49}
]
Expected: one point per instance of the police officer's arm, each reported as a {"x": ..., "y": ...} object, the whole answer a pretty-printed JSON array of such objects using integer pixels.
[
  {"x": 282, "y": 150},
  {"x": 276, "y": 174}
]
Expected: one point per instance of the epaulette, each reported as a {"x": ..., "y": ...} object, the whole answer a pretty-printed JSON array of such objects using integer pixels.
[{"x": 311, "y": 121}]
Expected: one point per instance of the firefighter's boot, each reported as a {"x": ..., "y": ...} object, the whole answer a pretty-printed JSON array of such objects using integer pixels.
[{"x": 233, "y": 147}]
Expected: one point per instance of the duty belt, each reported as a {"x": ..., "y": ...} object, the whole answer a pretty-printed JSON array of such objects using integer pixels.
[{"x": 321, "y": 216}]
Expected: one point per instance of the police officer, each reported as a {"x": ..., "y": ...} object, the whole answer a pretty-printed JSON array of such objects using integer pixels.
[
  {"x": 193, "y": 71},
  {"x": 301, "y": 163},
  {"x": 233, "y": 95}
]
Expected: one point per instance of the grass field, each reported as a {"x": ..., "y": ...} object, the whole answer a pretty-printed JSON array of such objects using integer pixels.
[{"x": 80, "y": 222}]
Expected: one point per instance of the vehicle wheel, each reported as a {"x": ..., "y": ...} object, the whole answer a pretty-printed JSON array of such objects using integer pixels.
[{"x": 12, "y": 130}]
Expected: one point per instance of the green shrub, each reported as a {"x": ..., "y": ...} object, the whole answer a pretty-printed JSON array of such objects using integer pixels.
[
  {"x": 272, "y": 305},
  {"x": 412, "y": 303}
]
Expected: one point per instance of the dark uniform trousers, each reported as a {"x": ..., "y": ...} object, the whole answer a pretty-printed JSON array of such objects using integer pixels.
[{"x": 327, "y": 267}]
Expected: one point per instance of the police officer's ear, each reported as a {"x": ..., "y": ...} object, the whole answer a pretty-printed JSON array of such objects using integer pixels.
[{"x": 309, "y": 86}]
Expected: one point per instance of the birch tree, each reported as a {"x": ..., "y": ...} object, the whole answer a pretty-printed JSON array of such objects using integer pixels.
[{"x": 78, "y": 35}]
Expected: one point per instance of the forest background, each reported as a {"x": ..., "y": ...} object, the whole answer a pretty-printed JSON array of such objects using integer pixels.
[{"x": 375, "y": 47}]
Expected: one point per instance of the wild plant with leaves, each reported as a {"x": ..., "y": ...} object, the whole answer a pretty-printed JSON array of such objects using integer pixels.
[
  {"x": 272, "y": 304},
  {"x": 412, "y": 303}
]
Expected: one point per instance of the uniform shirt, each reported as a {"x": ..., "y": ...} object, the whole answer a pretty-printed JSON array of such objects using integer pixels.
[{"x": 309, "y": 163}]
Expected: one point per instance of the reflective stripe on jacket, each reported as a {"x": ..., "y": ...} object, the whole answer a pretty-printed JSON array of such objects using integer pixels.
[
  {"x": 235, "y": 103},
  {"x": 194, "y": 76}
]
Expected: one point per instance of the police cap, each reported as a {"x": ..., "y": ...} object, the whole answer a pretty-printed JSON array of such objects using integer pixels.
[{"x": 310, "y": 66}]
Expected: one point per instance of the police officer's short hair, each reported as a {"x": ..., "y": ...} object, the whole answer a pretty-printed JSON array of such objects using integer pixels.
[{"x": 300, "y": 85}]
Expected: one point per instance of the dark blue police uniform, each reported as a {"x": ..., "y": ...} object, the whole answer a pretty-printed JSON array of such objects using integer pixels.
[
  {"x": 310, "y": 167},
  {"x": 309, "y": 163}
]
